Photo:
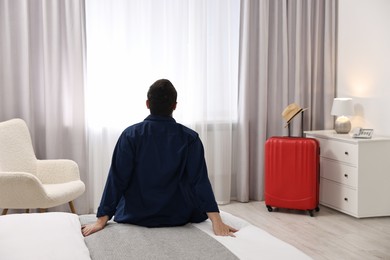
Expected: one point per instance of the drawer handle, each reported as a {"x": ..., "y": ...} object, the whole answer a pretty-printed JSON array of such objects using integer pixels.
[
  {"x": 346, "y": 175},
  {"x": 346, "y": 153},
  {"x": 346, "y": 199}
]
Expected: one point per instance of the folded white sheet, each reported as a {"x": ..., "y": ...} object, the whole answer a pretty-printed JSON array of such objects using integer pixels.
[
  {"x": 42, "y": 236},
  {"x": 252, "y": 242}
]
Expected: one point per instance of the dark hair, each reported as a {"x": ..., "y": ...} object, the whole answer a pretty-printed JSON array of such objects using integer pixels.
[{"x": 162, "y": 97}]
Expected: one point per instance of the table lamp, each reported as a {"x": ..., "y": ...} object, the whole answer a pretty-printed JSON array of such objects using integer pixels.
[{"x": 342, "y": 107}]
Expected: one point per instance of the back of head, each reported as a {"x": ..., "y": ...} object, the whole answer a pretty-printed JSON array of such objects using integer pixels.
[{"x": 162, "y": 97}]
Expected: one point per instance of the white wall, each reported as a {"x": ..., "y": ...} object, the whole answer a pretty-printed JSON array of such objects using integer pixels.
[{"x": 363, "y": 67}]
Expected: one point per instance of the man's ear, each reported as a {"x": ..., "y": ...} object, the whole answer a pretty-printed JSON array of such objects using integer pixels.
[
  {"x": 147, "y": 104},
  {"x": 174, "y": 106}
]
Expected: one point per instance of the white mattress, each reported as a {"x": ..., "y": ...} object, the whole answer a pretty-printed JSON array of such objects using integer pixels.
[
  {"x": 252, "y": 242},
  {"x": 42, "y": 236},
  {"x": 58, "y": 236}
]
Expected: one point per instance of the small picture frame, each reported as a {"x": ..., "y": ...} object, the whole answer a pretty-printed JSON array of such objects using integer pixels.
[{"x": 363, "y": 133}]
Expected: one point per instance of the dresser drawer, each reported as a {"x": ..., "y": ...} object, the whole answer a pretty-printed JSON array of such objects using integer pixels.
[
  {"x": 338, "y": 196},
  {"x": 339, "y": 172},
  {"x": 340, "y": 151}
]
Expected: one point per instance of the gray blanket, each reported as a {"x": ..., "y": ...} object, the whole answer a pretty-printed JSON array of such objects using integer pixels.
[{"x": 126, "y": 241}]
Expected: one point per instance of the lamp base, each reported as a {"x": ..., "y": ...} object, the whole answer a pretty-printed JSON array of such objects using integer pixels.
[{"x": 342, "y": 125}]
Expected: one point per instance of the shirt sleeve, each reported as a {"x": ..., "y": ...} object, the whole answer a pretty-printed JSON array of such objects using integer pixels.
[
  {"x": 197, "y": 170},
  {"x": 119, "y": 176}
]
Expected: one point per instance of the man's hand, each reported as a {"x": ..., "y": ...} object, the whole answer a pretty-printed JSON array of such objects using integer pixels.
[
  {"x": 220, "y": 228},
  {"x": 89, "y": 229}
]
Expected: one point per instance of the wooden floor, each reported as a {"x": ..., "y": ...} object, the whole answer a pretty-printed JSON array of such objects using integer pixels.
[{"x": 328, "y": 235}]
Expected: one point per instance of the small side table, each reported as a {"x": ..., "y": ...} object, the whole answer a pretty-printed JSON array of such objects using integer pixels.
[{"x": 355, "y": 173}]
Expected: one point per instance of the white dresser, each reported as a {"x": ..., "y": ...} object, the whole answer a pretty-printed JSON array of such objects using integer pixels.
[{"x": 355, "y": 173}]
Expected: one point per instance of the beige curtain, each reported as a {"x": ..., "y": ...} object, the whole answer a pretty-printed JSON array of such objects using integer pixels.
[
  {"x": 287, "y": 54},
  {"x": 42, "y": 76}
]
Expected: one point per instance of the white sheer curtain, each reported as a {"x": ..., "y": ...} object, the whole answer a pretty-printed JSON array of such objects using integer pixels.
[
  {"x": 287, "y": 54},
  {"x": 132, "y": 43},
  {"x": 42, "y": 76}
]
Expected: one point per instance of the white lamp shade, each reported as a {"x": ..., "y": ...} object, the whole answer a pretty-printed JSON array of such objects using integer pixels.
[{"x": 342, "y": 107}]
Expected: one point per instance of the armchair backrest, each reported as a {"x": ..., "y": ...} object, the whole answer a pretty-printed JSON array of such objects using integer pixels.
[{"x": 16, "y": 150}]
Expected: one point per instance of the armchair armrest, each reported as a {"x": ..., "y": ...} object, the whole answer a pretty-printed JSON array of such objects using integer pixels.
[
  {"x": 57, "y": 171},
  {"x": 18, "y": 189}
]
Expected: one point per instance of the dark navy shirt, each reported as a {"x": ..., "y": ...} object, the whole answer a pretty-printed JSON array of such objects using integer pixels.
[{"x": 158, "y": 176}]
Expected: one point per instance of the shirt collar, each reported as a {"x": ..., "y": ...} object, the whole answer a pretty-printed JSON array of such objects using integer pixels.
[{"x": 160, "y": 118}]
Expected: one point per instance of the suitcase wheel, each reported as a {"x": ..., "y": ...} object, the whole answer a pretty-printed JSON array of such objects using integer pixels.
[
  {"x": 269, "y": 208},
  {"x": 311, "y": 211}
]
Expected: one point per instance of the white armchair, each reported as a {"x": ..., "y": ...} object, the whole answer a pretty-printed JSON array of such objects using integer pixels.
[{"x": 29, "y": 183}]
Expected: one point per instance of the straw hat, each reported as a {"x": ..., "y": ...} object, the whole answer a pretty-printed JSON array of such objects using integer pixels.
[{"x": 291, "y": 111}]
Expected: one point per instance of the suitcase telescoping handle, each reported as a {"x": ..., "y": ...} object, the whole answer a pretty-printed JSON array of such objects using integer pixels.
[{"x": 288, "y": 126}]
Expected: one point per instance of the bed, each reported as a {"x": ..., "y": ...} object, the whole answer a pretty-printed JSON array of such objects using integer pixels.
[{"x": 57, "y": 236}]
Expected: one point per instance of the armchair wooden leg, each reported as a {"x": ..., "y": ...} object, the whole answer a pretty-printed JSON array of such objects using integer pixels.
[
  {"x": 27, "y": 211},
  {"x": 72, "y": 207},
  {"x": 4, "y": 212}
]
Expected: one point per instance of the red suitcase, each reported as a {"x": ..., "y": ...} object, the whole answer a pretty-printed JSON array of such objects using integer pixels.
[{"x": 292, "y": 173}]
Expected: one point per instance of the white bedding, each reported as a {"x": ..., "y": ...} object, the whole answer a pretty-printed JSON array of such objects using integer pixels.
[
  {"x": 58, "y": 236},
  {"x": 252, "y": 242},
  {"x": 42, "y": 236}
]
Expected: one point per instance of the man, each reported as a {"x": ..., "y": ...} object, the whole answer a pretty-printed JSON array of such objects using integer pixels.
[{"x": 158, "y": 174}]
